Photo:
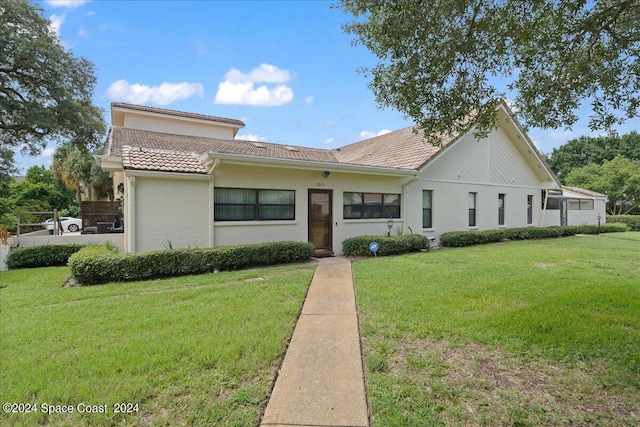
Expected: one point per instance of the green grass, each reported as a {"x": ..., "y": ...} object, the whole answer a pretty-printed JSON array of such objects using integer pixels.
[
  {"x": 521, "y": 333},
  {"x": 195, "y": 350}
]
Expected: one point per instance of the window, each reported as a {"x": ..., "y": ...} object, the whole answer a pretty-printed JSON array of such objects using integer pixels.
[
  {"x": 501, "y": 198},
  {"x": 427, "y": 213},
  {"x": 371, "y": 205},
  {"x": 529, "y": 209},
  {"x": 553, "y": 203},
  {"x": 472, "y": 209},
  {"x": 239, "y": 204},
  {"x": 580, "y": 204}
]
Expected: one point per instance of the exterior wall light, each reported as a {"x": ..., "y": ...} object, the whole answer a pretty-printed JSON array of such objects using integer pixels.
[{"x": 325, "y": 174}]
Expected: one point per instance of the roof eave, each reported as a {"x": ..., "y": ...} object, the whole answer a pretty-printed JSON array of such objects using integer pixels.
[{"x": 246, "y": 159}]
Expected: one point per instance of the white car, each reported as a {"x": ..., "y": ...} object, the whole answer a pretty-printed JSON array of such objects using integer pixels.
[{"x": 68, "y": 224}]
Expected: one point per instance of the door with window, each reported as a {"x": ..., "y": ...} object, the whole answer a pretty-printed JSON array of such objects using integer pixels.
[{"x": 320, "y": 220}]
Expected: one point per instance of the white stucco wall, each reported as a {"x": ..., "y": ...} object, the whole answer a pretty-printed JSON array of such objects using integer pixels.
[
  {"x": 240, "y": 232},
  {"x": 167, "y": 211},
  {"x": 178, "y": 126}
]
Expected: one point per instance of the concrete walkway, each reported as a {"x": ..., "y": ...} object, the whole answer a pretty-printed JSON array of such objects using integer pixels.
[{"x": 321, "y": 381}]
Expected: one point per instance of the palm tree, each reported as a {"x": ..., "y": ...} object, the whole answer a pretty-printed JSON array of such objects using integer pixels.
[{"x": 72, "y": 165}]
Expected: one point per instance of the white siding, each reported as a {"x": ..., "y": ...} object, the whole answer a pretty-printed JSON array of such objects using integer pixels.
[
  {"x": 507, "y": 165},
  {"x": 491, "y": 166}
]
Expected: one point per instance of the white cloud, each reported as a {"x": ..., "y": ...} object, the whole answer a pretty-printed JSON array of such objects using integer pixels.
[
  {"x": 365, "y": 134},
  {"x": 164, "y": 94},
  {"x": 308, "y": 100},
  {"x": 82, "y": 32},
  {"x": 65, "y": 3},
  {"x": 55, "y": 22},
  {"x": 252, "y": 137},
  {"x": 239, "y": 88},
  {"x": 329, "y": 141}
]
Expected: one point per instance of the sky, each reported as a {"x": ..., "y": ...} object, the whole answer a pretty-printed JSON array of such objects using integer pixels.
[{"x": 285, "y": 68}]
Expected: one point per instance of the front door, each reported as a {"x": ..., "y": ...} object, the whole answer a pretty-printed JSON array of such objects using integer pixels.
[{"x": 320, "y": 221}]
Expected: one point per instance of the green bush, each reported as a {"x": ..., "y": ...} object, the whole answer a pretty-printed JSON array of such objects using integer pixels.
[
  {"x": 41, "y": 256},
  {"x": 394, "y": 245},
  {"x": 457, "y": 239},
  {"x": 95, "y": 264},
  {"x": 614, "y": 228},
  {"x": 632, "y": 221}
]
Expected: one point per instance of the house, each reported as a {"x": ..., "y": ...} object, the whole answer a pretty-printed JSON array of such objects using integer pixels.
[{"x": 186, "y": 182}]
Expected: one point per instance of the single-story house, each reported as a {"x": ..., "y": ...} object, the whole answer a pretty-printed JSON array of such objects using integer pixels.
[{"x": 186, "y": 182}]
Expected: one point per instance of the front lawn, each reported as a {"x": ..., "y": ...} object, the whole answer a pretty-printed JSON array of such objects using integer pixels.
[
  {"x": 516, "y": 334},
  {"x": 195, "y": 350}
]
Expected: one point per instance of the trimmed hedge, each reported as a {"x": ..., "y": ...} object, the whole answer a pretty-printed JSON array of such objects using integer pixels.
[
  {"x": 97, "y": 264},
  {"x": 458, "y": 239},
  {"x": 394, "y": 245},
  {"x": 632, "y": 221},
  {"x": 41, "y": 256}
]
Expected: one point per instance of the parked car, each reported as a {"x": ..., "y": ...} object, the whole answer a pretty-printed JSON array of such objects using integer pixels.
[{"x": 68, "y": 224}]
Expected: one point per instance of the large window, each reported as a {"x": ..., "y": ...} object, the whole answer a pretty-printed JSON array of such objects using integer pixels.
[
  {"x": 371, "y": 205},
  {"x": 472, "y": 209},
  {"x": 427, "y": 209},
  {"x": 240, "y": 204},
  {"x": 529, "y": 209},
  {"x": 501, "y": 199},
  {"x": 580, "y": 204}
]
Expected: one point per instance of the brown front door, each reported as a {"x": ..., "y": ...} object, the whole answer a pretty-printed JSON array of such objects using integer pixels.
[{"x": 320, "y": 220}]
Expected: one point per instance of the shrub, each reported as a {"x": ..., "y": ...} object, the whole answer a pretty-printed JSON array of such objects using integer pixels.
[
  {"x": 394, "y": 245},
  {"x": 41, "y": 256},
  {"x": 96, "y": 264},
  {"x": 614, "y": 228},
  {"x": 632, "y": 221},
  {"x": 457, "y": 239}
]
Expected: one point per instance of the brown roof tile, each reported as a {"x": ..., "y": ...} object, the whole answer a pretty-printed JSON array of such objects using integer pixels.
[
  {"x": 403, "y": 149},
  {"x": 120, "y": 137},
  {"x": 176, "y": 113},
  {"x": 153, "y": 159},
  {"x": 583, "y": 191}
]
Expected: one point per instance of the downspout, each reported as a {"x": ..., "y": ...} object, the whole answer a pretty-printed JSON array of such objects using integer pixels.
[
  {"x": 404, "y": 199},
  {"x": 130, "y": 222},
  {"x": 544, "y": 207},
  {"x": 211, "y": 169}
]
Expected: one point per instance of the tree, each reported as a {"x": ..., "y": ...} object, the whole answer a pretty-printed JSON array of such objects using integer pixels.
[
  {"x": 72, "y": 165},
  {"x": 593, "y": 150},
  {"x": 437, "y": 59},
  {"x": 45, "y": 92},
  {"x": 78, "y": 169},
  {"x": 619, "y": 179}
]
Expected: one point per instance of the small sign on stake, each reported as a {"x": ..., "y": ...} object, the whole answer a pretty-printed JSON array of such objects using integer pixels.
[{"x": 373, "y": 247}]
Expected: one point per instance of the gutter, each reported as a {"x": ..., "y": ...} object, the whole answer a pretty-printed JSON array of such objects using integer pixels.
[{"x": 245, "y": 159}]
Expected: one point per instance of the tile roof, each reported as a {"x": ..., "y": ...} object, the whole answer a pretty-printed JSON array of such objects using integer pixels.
[
  {"x": 583, "y": 191},
  {"x": 139, "y": 158},
  {"x": 403, "y": 149},
  {"x": 176, "y": 113},
  {"x": 163, "y": 144}
]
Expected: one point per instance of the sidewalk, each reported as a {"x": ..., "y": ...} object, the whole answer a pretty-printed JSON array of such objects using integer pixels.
[{"x": 321, "y": 381}]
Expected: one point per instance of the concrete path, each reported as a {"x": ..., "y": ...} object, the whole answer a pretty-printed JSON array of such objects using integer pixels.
[{"x": 321, "y": 381}]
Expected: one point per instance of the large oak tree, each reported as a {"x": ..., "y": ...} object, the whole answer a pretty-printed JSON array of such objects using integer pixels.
[
  {"x": 440, "y": 60},
  {"x": 45, "y": 92}
]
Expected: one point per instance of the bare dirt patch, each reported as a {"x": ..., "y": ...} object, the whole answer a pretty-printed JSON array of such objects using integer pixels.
[{"x": 476, "y": 386}]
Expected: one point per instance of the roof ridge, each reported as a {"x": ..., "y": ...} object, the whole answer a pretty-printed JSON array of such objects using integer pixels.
[{"x": 177, "y": 113}]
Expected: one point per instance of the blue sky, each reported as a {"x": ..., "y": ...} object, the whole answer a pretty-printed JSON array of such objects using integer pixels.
[{"x": 285, "y": 68}]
